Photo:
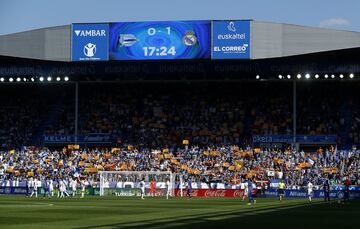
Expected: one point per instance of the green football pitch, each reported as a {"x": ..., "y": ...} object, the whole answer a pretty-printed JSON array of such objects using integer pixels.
[{"x": 127, "y": 212}]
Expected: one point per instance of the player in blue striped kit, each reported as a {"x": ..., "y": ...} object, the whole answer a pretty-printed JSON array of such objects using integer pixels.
[{"x": 250, "y": 193}]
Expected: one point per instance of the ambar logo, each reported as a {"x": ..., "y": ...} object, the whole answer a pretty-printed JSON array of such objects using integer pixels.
[{"x": 90, "y": 33}]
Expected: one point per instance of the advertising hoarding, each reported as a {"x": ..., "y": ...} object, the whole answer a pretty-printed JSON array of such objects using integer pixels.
[
  {"x": 90, "y": 42},
  {"x": 230, "y": 40}
]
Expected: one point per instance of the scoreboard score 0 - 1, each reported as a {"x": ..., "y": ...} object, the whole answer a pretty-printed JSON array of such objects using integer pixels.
[{"x": 160, "y": 40}]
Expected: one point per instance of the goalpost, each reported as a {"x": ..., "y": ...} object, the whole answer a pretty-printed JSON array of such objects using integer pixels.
[{"x": 127, "y": 183}]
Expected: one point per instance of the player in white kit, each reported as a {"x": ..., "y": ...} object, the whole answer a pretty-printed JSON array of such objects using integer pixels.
[
  {"x": 83, "y": 185},
  {"x": 246, "y": 190},
  {"x": 142, "y": 188},
  {"x": 51, "y": 187},
  {"x": 34, "y": 187},
  {"x": 310, "y": 187},
  {"x": 168, "y": 189},
  {"x": 62, "y": 187},
  {"x": 29, "y": 186},
  {"x": 73, "y": 187}
]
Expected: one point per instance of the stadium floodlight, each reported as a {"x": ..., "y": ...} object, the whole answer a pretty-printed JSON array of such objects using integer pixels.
[
  {"x": 307, "y": 76},
  {"x": 32, "y": 79},
  {"x": 341, "y": 76},
  {"x": 289, "y": 76},
  {"x": 326, "y": 76},
  {"x": 351, "y": 75},
  {"x": 298, "y": 76},
  {"x": 332, "y": 76},
  {"x": 317, "y": 76},
  {"x": 41, "y": 79},
  {"x": 280, "y": 76},
  {"x": 2, "y": 79},
  {"x": 58, "y": 78},
  {"x": 18, "y": 79},
  {"x": 66, "y": 78},
  {"x": 257, "y": 77},
  {"x": 49, "y": 78},
  {"x": 24, "y": 79},
  {"x": 11, "y": 79}
]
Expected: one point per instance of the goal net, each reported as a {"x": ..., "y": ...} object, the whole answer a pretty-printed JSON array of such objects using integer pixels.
[{"x": 128, "y": 183}]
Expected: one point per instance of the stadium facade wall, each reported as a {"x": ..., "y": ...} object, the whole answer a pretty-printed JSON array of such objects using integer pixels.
[
  {"x": 52, "y": 44},
  {"x": 268, "y": 40},
  {"x": 271, "y": 40}
]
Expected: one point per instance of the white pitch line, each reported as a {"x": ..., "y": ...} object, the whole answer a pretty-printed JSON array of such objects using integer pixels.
[{"x": 16, "y": 205}]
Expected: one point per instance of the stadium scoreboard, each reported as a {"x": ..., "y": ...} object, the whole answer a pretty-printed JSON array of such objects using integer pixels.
[
  {"x": 160, "y": 40},
  {"x": 163, "y": 40}
]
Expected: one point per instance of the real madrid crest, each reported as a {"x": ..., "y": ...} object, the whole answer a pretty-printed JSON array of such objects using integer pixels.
[{"x": 189, "y": 39}]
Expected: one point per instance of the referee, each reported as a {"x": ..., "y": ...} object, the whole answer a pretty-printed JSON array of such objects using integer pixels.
[{"x": 281, "y": 190}]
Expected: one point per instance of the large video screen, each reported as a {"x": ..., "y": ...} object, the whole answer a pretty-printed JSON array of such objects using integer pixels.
[{"x": 160, "y": 40}]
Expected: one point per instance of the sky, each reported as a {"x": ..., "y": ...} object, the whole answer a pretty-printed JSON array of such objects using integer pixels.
[{"x": 23, "y": 15}]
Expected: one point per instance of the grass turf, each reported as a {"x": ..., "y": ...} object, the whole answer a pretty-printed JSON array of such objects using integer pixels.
[{"x": 127, "y": 212}]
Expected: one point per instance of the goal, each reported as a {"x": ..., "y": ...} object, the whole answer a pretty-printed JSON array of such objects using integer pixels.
[{"x": 127, "y": 183}]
